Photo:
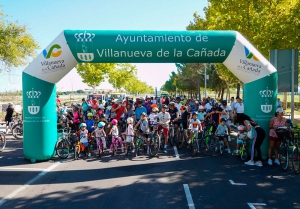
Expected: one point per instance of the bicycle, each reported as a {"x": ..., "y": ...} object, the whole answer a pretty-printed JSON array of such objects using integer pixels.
[
  {"x": 242, "y": 152},
  {"x": 100, "y": 148},
  {"x": 128, "y": 144},
  {"x": 64, "y": 143},
  {"x": 139, "y": 142},
  {"x": 2, "y": 141},
  {"x": 155, "y": 141},
  {"x": 180, "y": 137},
  {"x": 193, "y": 145},
  {"x": 221, "y": 143},
  {"x": 296, "y": 156},
  {"x": 115, "y": 145},
  {"x": 207, "y": 145},
  {"x": 171, "y": 134},
  {"x": 283, "y": 133}
]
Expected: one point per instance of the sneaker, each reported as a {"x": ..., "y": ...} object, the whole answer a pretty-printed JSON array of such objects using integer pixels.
[
  {"x": 249, "y": 162},
  {"x": 276, "y": 161},
  {"x": 110, "y": 151},
  {"x": 237, "y": 151},
  {"x": 90, "y": 154},
  {"x": 270, "y": 162},
  {"x": 229, "y": 151},
  {"x": 165, "y": 150},
  {"x": 133, "y": 151},
  {"x": 122, "y": 148},
  {"x": 258, "y": 164},
  {"x": 189, "y": 141},
  {"x": 229, "y": 139}
]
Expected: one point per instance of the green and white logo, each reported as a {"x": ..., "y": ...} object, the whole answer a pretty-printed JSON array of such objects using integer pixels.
[{"x": 85, "y": 46}]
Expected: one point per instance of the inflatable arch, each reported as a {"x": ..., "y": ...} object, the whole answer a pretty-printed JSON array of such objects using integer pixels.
[{"x": 96, "y": 46}]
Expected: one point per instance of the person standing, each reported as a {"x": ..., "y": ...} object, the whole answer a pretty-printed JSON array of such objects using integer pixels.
[
  {"x": 275, "y": 141},
  {"x": 239, "y": 109},
  {"x": 58, "y": 102},
  {"x": 118, "y": 109},
  {"x": 279, "y": 103},
  {"x": 139, "y": 110}
]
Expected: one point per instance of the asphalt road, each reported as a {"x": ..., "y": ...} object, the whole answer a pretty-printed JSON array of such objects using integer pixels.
[{"x": 143, "y": 182}]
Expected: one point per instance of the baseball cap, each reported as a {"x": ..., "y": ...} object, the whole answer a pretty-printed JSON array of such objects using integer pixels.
[{"x": 280, "y": 110}]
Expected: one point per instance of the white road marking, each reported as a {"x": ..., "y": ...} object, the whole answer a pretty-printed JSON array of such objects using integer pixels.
[
  {"x": 176, "y": 151},
  {"x": 251, "y": 205},
  {"x": 237, "y": 184},
  {"x": 188, "y": 196},
  {"x": 32, "y": 169},
  {"x": 11, "y": 195}
]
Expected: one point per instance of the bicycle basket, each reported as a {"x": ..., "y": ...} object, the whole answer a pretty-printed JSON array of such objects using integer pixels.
[{"x": 283, "y": 132}]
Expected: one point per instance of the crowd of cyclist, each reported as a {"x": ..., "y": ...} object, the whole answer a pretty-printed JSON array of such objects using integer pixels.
[{"x": 90, "y": 117}]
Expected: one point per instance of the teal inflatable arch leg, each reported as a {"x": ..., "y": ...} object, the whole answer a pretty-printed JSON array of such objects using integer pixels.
[
  {"x": 260, "y": 104},
  {"x": 40, "y": 118}
]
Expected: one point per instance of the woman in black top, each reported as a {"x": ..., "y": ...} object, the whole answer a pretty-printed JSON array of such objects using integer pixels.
[
  {"x": 9, "y": 114},
  {"x": 261, "y": 134}
]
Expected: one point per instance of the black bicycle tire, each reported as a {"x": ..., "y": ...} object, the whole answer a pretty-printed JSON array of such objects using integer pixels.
[
  {"x": 296, "y": 159},
  {"x": 4, "y": 143},
  {"x": 244, "y": 156},
  {"x": 62, "y": 156},
  {"x": 76, "y": 154},
  {"x": 13, "y": 131},
  {"x": 194, "y": 148},
  {"x": 205, "y": 144},
  {"x": 283, "y": 152},
  {"x": 171, "y": 138},
  {"x": 181, "y": 142},
  {"x": 222, "y": 147},
  {"x": 154, "y": 151}
]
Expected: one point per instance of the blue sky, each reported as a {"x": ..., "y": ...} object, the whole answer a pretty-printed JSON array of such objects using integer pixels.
[{"x": 46, "y": 19}]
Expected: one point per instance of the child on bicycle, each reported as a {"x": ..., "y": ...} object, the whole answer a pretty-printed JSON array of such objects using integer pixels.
[
  {"x": 129, "y": 133},
  {"x": 83, "y": 137},
  {"x": 114, "y": 131},
  {"x": 241, "y": 138},
  {"x": 100, "y": 134},
  {"x": 195, "y": 126},
  {"x": 90, "y": 123},
  {"x": 222, "y": 130},
  {"x": 153, "y": 118},
  {"x": 144, "y": 129}
]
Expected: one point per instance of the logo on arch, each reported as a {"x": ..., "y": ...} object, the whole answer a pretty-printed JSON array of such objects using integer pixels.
[
  {"x": 249, "y": 54},
  {"x": 54, "y": 51}
]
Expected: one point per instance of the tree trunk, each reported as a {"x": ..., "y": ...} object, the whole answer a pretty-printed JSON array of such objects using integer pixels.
[
  {"x": 222, "y": 94},
  {"x": 228, "y": 94},
  {"x": 238, "y": 88}
]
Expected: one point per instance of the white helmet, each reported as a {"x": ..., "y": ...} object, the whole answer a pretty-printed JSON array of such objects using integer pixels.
[
  {"x": 201, "y": 107},
  {"x": 130, "y": 120},
  {"x": 10, "y": 104},
  {"x": 108, "y": 107}
]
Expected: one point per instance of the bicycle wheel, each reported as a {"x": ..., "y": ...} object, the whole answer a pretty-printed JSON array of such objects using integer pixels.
[
  {"x": 137, "y": 147},
  {"x": 76, "y": 152},
  {"x": 284, "y": 156},
  {"x": 244, "y": 154},
  {"x": 17, "y": 131},
  {"x": 207, "y": 147},
  {"x": 296, "y": 160},
  {"x": 154, "y": 145},
  {"x": 194, "y": 147},
  {"x": 171, "y": 137},
  {"x": 62, "y": 148},
  {"x": 180, "y": 141},
  {"x": 2, "y": 141},
  {"x": 221, "y": 143}
]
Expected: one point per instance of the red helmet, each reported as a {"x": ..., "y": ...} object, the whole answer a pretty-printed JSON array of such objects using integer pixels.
[{"x": 114, "y": 122}]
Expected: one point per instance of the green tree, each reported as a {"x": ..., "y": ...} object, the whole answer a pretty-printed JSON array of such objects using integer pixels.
[
  {"x": 93, "y": 74},
  {"x": 16, "y": 44}
]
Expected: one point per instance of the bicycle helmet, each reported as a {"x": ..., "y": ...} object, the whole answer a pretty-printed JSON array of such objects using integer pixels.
[
  {"x": 144, "y": 114},
  {"x": 224, "y": 102},
  {"x": 82, "y": 125},
  {"x": 114, "y": 122},
  {"x": 101, "y": 124},
  {"x": 201, "y": 107},
  {"x": 172, "y": 103},
  {"x": 10, "y": 104},
  {"x": 223, "y": 120},
  {"x": 241, "y": 128},
  {"x": 140, "y": 102},
  {"x": 130, "y": 120},
  {"x": 90, "y": 114},
  {"x": 195, "y": 113},
  {"x": 164, "y": 106}
]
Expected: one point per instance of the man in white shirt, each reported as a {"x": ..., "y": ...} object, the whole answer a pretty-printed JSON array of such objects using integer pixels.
[
  {"x": 164, "y": 120},
  {"x": 239, "y": 109},
  {"x": 178, "y": 106}
]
